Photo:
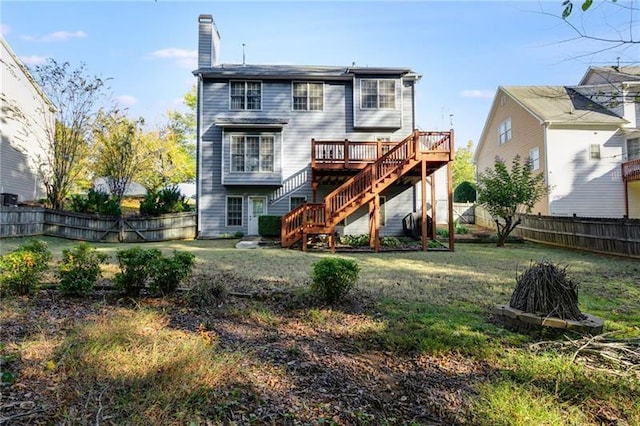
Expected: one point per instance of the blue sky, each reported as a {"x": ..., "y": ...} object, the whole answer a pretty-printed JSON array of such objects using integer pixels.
[{"x": 463, "y": 49}]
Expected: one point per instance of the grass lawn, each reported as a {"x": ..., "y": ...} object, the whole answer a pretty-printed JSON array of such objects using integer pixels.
[{"x": 413, "y": 344}]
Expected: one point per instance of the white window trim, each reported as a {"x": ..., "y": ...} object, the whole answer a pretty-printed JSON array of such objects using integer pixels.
[
  {"x": 296, "y": 196},
  {"x": 245, "y": 94},
  {"x": 537, "y": 159},
  {"x": 226, "y": 211},
  {"x": 260, "y": 136},
  {"x": 293, "y": 83},
  {"x": 378, "y": 80},
  {"x": 589, "y": 157}
]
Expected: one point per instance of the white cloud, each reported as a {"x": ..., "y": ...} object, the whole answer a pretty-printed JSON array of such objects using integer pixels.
[
  {"x": 183, "y": 57},
  {"x": 4, "y": 29},
  {"x": 477, "y": 94},
  {"x": 126, "y": 100},
  {"x": 33, "y": 60},
  {"x": 55, "y": 36}
]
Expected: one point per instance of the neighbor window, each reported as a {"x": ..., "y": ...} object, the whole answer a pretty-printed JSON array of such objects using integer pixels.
[
  {"x": 378, "y": 94},
  {"x": 252, "y": 153},
  {"x": 234, "y": 211},
  {"x": 633, "y": 149},
  {"x": 594, "y": 152},
  {"x": 245, "y": 95},
  {"x": 534, "y": 158},
  {"x": 296, "y": 201},
  {"x": 308, "y": 96},
  {"x": 504, "y": 131}
]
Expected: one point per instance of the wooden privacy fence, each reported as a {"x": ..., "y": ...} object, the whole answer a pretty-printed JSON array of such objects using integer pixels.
[
  {"x": 20, "y": 222},
  {"x": 610, "y": 236}
]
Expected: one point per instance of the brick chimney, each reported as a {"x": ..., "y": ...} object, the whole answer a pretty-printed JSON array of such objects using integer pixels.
[{"x": 208, "y": 42}]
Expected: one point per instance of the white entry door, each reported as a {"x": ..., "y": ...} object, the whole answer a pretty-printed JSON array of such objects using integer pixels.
[{"x": 257, "y": 207}]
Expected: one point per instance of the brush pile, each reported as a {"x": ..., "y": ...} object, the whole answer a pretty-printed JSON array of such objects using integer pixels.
[{"x": 545, "y": 289}]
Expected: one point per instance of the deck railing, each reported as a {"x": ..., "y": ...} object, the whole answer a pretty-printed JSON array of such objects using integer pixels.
[
  {"x": 631, "y": 170},
  {"x": 383, "y": 160}
]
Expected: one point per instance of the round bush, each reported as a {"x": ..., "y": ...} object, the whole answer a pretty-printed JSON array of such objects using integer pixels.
[{"x": 333, "y": 278}]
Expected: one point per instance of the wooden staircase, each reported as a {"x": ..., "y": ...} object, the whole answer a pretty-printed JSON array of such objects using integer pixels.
[{"x": 322, "y": 218}]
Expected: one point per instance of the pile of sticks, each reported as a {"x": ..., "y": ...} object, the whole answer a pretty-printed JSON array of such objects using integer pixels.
[
  {"x": 545, "y": 289},
  {"x": 621, "y": 356}
]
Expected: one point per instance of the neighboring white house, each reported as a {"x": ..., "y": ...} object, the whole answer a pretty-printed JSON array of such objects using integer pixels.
[
  {"x": 584, "y": 139},
  {"x": 25, "y": 112}
]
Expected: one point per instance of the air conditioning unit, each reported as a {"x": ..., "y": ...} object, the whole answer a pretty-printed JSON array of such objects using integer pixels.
[{"x": 9, "y": 199}]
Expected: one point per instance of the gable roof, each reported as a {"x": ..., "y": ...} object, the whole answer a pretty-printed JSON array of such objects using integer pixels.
[
  {"x": 562, "y": 105},
  {"x": 553, "y": 105},
  {"x": 300, "y": 71},
  {"x": 612, "y": 74}
]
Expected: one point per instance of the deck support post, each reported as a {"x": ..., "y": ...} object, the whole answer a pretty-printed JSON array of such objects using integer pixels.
[
  {"x": 434, "y": 206},
  {"x": 450, "y": 202},
  {"x": 374, "y": 223},
  {"x": 423, "y": 184}
]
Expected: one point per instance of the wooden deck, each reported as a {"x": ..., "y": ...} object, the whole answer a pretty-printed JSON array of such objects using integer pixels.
[{"x": 631, "y": 170}]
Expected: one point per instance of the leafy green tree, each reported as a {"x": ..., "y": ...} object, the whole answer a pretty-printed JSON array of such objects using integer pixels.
[
  {"x": 77, "y": 99},
  {"x": 506, "y": 193},
  {"x": 182, "y": 125},
  {"x": 170, "y": 162},
  {"x": 120, "y": 153},
  {"x": 463, "y": 169}
]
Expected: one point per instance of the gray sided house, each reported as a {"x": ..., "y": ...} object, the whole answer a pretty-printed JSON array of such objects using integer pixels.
[{"x": 279, "y": 139}]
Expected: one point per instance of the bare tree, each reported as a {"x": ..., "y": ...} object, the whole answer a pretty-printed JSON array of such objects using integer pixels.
[{"x": 77, "y": 98}]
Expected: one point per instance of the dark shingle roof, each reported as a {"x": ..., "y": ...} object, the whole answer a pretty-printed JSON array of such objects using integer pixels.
[{"x": 297, "y": 71}]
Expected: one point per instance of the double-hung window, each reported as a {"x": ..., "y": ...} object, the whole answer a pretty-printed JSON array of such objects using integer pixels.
[
  {"x": 594, "y": 151},
  {"x": 296, "y": 201},
  {"x": 245, "y": 95},
  {"x": 534, "y": 158},
  {"x": 308, "y": 96},
  {"x": 234, "y": 211},
  {"x": 252, "y": 153},
  {"x": 378, "y": 94},
  {"x": 504, "y": 131},
  {"x": 633, "y": 149}
]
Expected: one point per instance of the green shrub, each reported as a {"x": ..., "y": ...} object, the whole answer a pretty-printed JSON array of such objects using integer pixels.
[
  {"x": 333, "y": 278},
  {"x": 166, "y": 273},
  {"x": 238, "y": 234},
  {"x": 135, "y": 269},
  {"x": 355, "y": 240},
  {"x": 79, "y": 270},
  {"x": 464, "y": 193},
  {"x": 390, "y": 242},
  {"x": 269, "y": 226},
  {"x": 167, "y": 200},
  {"x": 21, "y": 270},
  {"x": 95, "y": 201}
]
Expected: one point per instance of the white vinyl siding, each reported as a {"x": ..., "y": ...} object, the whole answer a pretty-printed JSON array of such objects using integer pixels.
[
  {"x": 378, "y": 94},
  {"x": 234, "y": 211},
  {"x": 504, "y": 131},
  {"x": 245, "y": 95},
  {"x": 308, "y": 96},
  {"x": 252, "y": 154}
]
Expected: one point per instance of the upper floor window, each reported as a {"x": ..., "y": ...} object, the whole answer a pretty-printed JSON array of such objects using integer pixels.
[
  {"x": 378, "y": 94},
  {"x": 308, "y": 96},
  {"x": 534, "y": 158},
  {"x": 252, "y": 154},
  {"x": 244, "y": 95},
  {"x": 594, "y": 151},
  {"x": 633, "y": 149},
  {"x": 504, "y": 131}
]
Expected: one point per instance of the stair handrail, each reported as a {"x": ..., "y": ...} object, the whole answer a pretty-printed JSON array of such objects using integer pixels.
[{"x": 368, "y": 177}]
